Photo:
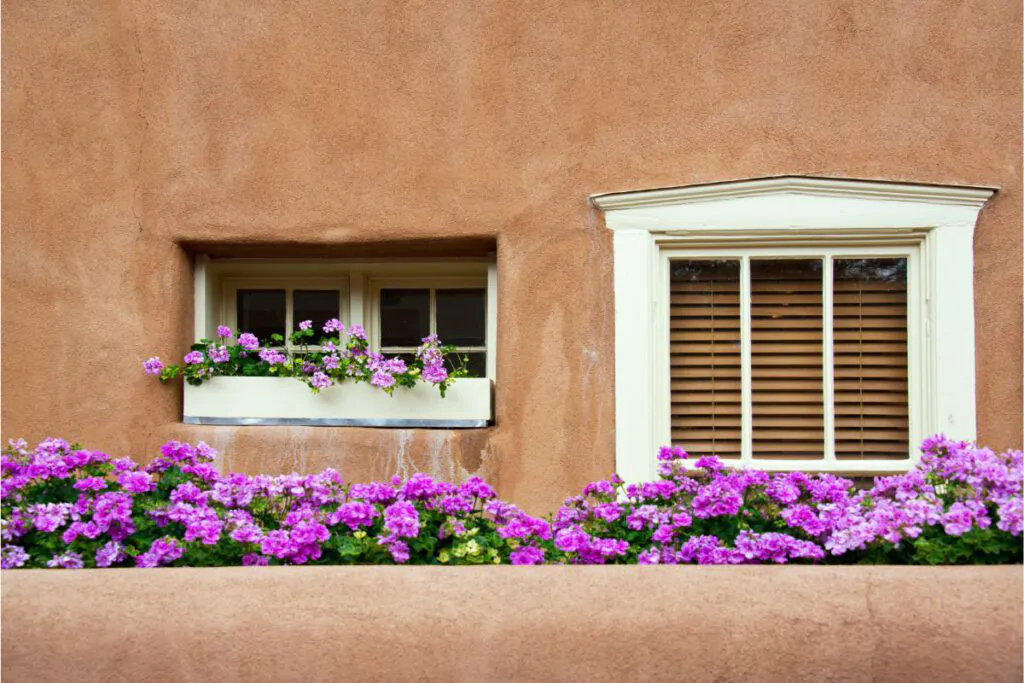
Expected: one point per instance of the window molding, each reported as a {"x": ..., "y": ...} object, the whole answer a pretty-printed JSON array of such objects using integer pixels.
[{"x": 791, "y": 211}]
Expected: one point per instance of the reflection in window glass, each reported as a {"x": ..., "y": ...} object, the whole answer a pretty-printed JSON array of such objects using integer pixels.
[
  {"x": 461, "y": 316},
  {"x": 316, "y": 305},
  {"x": 404, "y": 316},
  {"x": 261, "y": 312}
]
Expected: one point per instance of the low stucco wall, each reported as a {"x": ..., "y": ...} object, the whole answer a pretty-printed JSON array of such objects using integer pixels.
[{"x": 512, "y": 623}]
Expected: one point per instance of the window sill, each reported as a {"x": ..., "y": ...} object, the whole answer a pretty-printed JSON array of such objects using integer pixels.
[{"x": 270, "y": 401}]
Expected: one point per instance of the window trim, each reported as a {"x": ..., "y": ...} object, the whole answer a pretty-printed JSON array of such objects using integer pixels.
[
  {"x": 213, "y": 280},
  {"x": 791, "y": 211}
]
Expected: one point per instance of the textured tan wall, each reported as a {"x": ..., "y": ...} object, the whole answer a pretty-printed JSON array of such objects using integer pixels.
[
  {"x": 129, "y": 127},
  {"x": 957, "y": 624}
]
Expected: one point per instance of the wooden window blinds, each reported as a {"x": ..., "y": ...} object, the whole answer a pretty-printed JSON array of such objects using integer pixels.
[{"x": 826, "y": 369}]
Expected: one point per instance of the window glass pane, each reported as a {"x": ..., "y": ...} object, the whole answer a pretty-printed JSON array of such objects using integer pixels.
[
  {"x": 704, "y": 329},
  {"x": 316, "y": 305},
  {"x": 404, "y": 316},
  {"x": 261, "y": 312},
  {"x": 869, "y": 321},
  {"x": 476, "y": 364},
  {"x": 461, "y": 316},
  {"x": 786, "y": 358}
]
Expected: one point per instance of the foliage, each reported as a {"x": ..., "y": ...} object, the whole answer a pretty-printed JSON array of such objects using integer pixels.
[
  {"x": 64, "y": 506},
  {"x": 320, "y": 366}
]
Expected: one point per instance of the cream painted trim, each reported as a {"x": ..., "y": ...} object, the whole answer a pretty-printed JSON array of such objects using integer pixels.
[
  {"x": 491, "y": 339},
  {"x": 785, "y": 213},
  {"x": 791, "y": 185},
  {"x": 243, "y": 400},
  {"x": 201, "y": 298}
]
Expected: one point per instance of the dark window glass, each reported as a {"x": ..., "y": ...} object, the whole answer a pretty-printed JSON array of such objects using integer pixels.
[
  {"x": 261, "y": 312},
  {"x": 461, "y": 316},
  {"x": 404, "y": 316},
  {"x": 316, "y": 305},
  {"x": 476, "y": 364}
]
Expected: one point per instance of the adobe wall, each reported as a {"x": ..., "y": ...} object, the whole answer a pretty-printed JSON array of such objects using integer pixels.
[
  {"x": 805, "y": 623},
  {"x": 131, "y": 127}
]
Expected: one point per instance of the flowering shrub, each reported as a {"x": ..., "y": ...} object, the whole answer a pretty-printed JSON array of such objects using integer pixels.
[
  {"x": 67, "y": 507},
  {"x": 331, "y": 361}
]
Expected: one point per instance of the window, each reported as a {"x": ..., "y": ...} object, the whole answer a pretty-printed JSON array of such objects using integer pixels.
[
  {"x": 793, "y": 323},
  {"x": 266, "y": 306},
  {"x": 398, "y": 303},
  {"x": 454, "y": 309},
  {"x": 797, "y": 354}
]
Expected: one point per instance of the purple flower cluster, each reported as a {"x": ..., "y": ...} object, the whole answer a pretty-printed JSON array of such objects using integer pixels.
[
  {"x": 320, "y": 367},
  {"x": 65, "y": 507}
]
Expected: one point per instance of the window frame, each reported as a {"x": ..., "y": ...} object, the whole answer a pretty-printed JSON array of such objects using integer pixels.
[
  {"x": 792, "y": 211},
  {"x": 828, "y": 251},
  {"x": 432, "y": 284},
  {"x": 231, "y": 284},
  {"x": 216, "y": 282}
]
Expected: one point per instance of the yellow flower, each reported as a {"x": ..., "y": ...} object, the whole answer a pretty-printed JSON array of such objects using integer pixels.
[
  {"x": 473, "y": 548},
  {"x": 443, "y": 556},
  {"x": 360, "y": 534}
]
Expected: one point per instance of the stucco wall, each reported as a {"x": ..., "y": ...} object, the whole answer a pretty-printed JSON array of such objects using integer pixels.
[
  {"x": 132, "y": 127},
  {"x": 957, "y": 624}
]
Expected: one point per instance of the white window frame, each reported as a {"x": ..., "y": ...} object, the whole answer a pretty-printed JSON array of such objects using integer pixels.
[
  {"x": 217, "y": 280},
  {"x": 828, "y": 251},
  {"x": 231, "y": 284},
  {"x": 433, "y": 284},
  {"x": 788, "y": 214}
]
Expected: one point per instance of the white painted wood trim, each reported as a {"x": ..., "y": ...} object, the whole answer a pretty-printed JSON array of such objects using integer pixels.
[
  {"x": 492, "y": 321},
  {"x": 242, "y": 400},
  {"x": 935, "y": 223},
  {"x": 809, "y": 185},
  {"x": 634, "y": 349},
  {"x": 828, "y": 370},
  {"x": 200, "y": 296},
  {"x": 746, "y": 373}
]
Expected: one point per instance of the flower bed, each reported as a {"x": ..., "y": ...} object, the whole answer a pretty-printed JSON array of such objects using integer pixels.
[{"x": 69, "y": 508}]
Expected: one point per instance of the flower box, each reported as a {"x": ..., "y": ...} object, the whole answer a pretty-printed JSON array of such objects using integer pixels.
[{"x": 287, "y": 401}]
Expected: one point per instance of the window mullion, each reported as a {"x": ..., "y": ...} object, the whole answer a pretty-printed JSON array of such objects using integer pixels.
[
  {"x": 289, "y": 315},
  {"x": 433, "y": 310},
  {"x": 828, "y": 360},
  {"x": 746, "y": 389}
]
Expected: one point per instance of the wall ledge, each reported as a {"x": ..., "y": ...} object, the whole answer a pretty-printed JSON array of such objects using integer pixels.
[{"x": 514, "y": 623}]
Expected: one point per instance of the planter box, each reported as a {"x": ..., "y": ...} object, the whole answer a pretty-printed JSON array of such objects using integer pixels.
[
  {"x": 287, "y": 401},
  {"x": 514, "y": 624}
]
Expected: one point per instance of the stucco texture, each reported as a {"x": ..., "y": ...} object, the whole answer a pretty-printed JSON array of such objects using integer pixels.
[
  {"x": 133, "y": 128},
  {"x": 934, "y": 624}
]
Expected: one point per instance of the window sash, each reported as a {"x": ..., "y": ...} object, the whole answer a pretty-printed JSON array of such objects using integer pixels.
[
  {"x": 916, "y": 351},
  {"x": 231, "y": 286},
  {"x": 431, "y": 284}
]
